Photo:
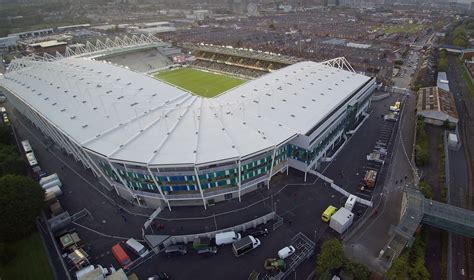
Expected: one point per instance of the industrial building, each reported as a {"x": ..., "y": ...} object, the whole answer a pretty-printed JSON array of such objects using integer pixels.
[{"x": 164, "y": 146}]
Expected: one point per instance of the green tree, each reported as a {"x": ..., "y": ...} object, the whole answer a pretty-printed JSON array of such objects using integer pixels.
[
  {"x": 331, "y": 256},
  {"x": 5, "y": 134},
  {"x": 21, "y": 201},
  {"x": 425, "y": 188},
  {"x": 358, "y": 271},
  {"x": 11, "y": 161},
  {"x": 399, "y": 269}
]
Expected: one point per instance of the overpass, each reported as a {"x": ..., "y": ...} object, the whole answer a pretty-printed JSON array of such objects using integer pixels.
[
  {"x": 450, "y": 218},
  {"x": 416, "y": 210}
]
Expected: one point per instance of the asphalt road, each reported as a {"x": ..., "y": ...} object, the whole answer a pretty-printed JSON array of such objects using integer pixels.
[{"x": 365, "y": 244}]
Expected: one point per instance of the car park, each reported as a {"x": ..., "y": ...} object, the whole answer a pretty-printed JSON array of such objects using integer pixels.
[{"x": 286, "y": 252}]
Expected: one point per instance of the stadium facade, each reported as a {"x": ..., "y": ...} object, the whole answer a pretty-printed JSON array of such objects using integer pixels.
[{"x": 163, "y": 146}]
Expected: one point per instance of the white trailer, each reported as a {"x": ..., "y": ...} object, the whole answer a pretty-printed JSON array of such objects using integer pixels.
[
  {"x": 49, "y": 178},
  {"x": 56, "y": 191},
  {"x": 341, "y": 220},
  {"x": 51, "y": 184}
]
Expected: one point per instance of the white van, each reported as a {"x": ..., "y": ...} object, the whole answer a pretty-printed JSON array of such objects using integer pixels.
[
  {"x": 227, "y": 237},
  {"x": 137, "y": 247},
  {"x": 350, "y": 202}
]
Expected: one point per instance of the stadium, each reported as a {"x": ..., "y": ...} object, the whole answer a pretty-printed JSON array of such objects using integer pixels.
[{"x": 158, "y": 140}]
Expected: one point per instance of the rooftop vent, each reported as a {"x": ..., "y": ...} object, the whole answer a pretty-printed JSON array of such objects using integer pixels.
[
  {"x": 62, "y": 110},
  {"x": 73, "y": 117},
  {"x": 84, "y": 126},
  {"x": 120, "y": 97},
  {"x": 292, "y": 115},
  {"x": 54, "y": 103},
  {"x": 133, "y": 104}
]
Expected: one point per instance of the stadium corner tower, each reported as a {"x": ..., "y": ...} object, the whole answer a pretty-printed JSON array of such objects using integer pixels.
[{"x": 164, "y": 146}]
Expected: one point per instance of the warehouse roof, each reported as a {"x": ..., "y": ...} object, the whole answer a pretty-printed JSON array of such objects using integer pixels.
[{"x": 132, "y": 117}]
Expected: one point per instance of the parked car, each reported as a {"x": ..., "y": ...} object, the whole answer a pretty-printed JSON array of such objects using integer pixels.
[
  {"x": 286, "y": 252},
  {"x": 160, "y": 276},
  {"x": 176, "y": 250},
  {"x": 259, "y": 233},
  {"x": 208, "y": 251}
]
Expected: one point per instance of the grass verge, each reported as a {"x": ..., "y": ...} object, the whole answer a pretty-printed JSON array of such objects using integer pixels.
[{"x": 29, "y": 260}]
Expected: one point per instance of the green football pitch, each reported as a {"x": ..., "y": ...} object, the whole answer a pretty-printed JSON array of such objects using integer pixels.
[{"x": 199, "y": 82}]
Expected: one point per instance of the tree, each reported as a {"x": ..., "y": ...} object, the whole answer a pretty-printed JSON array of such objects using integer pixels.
[
  {"x": 21, "y": 201},
  {"x": 425, "y": 188},
  {"x": 330, "y": 257},
  {"x": 399, "y": 269},
  {"x": 358, "y": 271},
  {"x": 11, "y": 161}
]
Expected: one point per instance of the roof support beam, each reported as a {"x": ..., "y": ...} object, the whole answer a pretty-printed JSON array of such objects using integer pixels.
[
  {"x": 158, "y": 186},
  {"x": 200, "y": 188}
]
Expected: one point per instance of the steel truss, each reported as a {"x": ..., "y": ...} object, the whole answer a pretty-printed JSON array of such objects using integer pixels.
[{"x": 88, "y": 49}]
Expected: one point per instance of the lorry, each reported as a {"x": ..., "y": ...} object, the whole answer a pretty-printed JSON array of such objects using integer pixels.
[
  {"x": 49, "y": 178},
  {"x": 122, "y": 258},
  {"x": 53, "y": 191},
  {"x": 51, "y": 184},
  {"x": 245, "y": 245},
  {"x": 370, "y": 177},
  {"x": 341, "y": 220}
]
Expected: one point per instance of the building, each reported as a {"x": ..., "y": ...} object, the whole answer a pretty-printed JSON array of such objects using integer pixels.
[
  {"x": 9, "y": 41},
  {"x": 49, "y": 47},
  {"x": 33, "y": 33},
  {"x": 163, "y": 146},
  {"x": 436, "y": 106}
]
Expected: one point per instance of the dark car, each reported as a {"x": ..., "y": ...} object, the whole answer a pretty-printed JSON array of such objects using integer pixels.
[
  {"x": 208, "y": 251},
  {"x": 160, "y": 276},
  {"x": 259, "y": 233},
  {"x": 176, "y": 250}
]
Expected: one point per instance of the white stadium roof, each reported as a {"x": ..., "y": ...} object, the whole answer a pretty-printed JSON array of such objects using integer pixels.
[{"x": 132, "y": 117}]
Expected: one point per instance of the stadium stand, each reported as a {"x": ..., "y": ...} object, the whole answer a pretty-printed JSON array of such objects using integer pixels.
[
  {"x": 142, "y": 61},
  {"x": 245, "y": 63}
]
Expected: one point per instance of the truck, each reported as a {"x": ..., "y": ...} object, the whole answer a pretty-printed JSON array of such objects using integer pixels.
[
  {"x": 245, "y": 245},
  {"x": 122, "y": 258},
  {"x": 370, "y": 177},
  {"x": 56, "y": 191},
  {"x": 49, "y": 178},
  {"x": 341, "y": 220},
  {"x": 51, "y": 184}
]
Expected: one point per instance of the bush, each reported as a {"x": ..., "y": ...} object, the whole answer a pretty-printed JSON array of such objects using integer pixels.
[
  {"x": 425, "y": 188},
  {"x": 330, "y": 257}
]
